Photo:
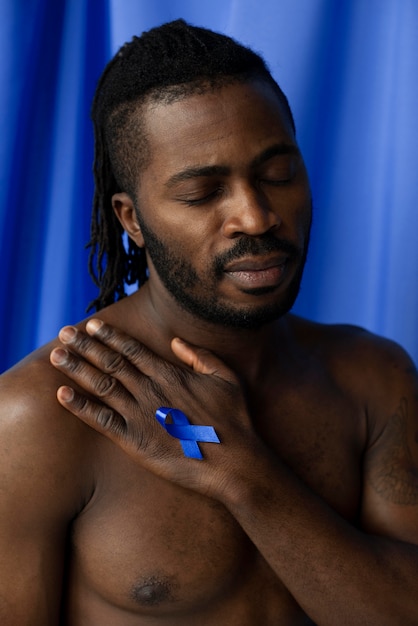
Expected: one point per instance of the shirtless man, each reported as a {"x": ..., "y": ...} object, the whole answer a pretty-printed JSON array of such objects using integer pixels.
[{"x": 307, "y": 510}]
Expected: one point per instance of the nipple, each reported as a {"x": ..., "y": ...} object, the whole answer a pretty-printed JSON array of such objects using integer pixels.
[{"x": 153, "y": 591}]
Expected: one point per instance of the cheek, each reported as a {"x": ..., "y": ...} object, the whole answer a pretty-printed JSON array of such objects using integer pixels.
[
  {"x": 192, "y": 234},
  {"x": 185, "y": 241},
  {"x": 305, "y": 223},
  {"x": 173, "y": 222},
  {"x": 302, "y": 202},
  {"x": 296, "y": 215}
]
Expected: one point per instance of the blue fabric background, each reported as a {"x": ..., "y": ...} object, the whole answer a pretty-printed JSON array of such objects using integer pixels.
[{"x": 350, "y": 69}]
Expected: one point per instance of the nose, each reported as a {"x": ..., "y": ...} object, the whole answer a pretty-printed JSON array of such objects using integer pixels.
[{"x": 248, "y": 212}]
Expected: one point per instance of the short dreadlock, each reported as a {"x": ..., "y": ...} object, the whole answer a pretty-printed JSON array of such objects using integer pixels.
[{"x": 165, "y": 63}]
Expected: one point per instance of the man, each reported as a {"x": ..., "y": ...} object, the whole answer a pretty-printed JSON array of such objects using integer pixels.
[{"x": 303, "y": 507}]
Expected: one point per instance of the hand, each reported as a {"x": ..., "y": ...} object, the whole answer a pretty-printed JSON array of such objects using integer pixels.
[{"x": 120, "y": 385}]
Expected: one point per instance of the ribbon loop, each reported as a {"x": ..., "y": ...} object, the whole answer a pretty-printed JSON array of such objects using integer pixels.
[{"x": 187, "y": 433}]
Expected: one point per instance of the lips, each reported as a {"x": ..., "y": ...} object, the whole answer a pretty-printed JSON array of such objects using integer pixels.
[
  {"x": 255, "y": 264},
  {"x": 257, "y": 273}
]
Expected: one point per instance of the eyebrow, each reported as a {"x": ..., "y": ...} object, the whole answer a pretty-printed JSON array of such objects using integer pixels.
[
  {"x": 196, "y": 172},
  {"x": 222, "y": 170},
  {"x": 275, "y": 150}
]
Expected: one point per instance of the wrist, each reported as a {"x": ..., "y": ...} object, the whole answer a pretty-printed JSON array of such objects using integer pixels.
[{"x": 245, "y": 475}]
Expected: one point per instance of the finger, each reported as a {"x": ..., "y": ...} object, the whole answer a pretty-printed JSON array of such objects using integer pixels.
[
  {"x": 96, "y": 383},
  {"x": 100, "y": 417},
  {"x": 201, "y": 360},
  {"x": 92, "y": 350},
  {"x": 133, "y": 436},
  {"x": 102, "y": 357},
  {"x": 133, "y": 350}
]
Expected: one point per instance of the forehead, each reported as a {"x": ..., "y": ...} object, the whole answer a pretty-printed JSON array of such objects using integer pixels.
[{"x": 231, "y": 123}]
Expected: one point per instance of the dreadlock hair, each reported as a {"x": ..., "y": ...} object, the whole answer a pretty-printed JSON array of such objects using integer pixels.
[{"x": 164, "y": 64}]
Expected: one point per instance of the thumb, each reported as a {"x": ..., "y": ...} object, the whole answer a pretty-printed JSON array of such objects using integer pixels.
[{"x": 201, "y": 360}]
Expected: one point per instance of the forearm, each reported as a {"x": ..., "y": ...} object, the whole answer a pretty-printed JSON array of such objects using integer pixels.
[{"x": 338, "y": 574}]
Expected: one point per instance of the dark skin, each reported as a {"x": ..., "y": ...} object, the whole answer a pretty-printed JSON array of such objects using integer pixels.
[{"x": 307, "y": 510}]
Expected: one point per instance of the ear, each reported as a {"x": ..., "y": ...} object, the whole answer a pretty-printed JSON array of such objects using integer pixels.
[{"x": 125, "y": 212}]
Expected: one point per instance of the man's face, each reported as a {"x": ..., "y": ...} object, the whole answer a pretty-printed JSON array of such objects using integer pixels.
[{"x": 224, "y": 205}]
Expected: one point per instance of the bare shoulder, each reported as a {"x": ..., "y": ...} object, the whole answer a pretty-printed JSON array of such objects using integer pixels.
[
  {"x": 38, "y": 438},
  {"x": 384, "y": 377},
  {"x": 43, "y": 440},
  {"x": 46, "y": 479},
  {"x": 377, "y": 371},
  {"x": 368, "y": 361}
]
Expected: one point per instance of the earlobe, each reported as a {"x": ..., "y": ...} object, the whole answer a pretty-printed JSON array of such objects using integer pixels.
[{"x": 124, "y": 209}]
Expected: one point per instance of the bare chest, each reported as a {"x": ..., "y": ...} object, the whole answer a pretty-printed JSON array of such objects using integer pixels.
[{"x": 151, "y": 548}]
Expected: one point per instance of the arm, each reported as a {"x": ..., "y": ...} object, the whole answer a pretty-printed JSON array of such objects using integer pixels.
[
  {"x": 337, "y": 573},
  {"x": 37, "y": 499}
]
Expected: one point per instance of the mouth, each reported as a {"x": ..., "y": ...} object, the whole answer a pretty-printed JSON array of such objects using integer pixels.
[{"x": 257, "y": 273}]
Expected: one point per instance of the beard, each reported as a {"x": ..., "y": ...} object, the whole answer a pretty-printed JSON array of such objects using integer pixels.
[{"x": 198, "y": 294}]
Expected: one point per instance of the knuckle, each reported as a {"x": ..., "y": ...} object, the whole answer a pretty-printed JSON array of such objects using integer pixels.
[
  {"x": 74, "y": 365},
  {"x": 111, "y": 422},
  {"x": 81, "y": 342},
  {"x": 105, "y": 386},
  {"x": 105, "y": 418},
  {"x": 134, "y": 351},
  {"x": 113, "y": 363},
  {"x": 80, "y": 404}
]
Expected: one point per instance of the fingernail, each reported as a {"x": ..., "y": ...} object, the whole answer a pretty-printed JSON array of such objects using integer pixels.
[
  {"x": 67, "y": 333},
  {"x": 66, "y": 394},
  {"x": 59, "y": 355},
  {"x": 93, "y": 325}
]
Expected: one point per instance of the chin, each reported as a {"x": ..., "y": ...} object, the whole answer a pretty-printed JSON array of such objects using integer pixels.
[{"x": 238, "y": 317}]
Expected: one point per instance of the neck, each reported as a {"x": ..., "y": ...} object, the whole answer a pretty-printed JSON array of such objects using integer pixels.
[{"x": 249, "y": 352}]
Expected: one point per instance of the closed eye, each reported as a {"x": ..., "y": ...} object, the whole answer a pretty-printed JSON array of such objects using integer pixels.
[
  {"x": 201, "y": 199},
  {"x": 279, "y": 171}
]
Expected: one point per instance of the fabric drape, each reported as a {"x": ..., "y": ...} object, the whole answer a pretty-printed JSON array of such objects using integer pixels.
[{"x": 349, "y": 68}]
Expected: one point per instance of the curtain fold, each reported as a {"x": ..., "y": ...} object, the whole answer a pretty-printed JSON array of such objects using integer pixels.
[
  {"x": 350, "y": 70},
  {"x": 52, "y": 55}
]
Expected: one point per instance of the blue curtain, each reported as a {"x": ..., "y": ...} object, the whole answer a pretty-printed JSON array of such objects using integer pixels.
[{"x": 350, "y": 69}]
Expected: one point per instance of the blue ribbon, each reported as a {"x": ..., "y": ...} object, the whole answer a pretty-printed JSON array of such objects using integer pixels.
[{"x": 188, "y": 434}]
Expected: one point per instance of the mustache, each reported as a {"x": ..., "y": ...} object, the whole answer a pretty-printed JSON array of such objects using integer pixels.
[{"x": 255, "y": 246}]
